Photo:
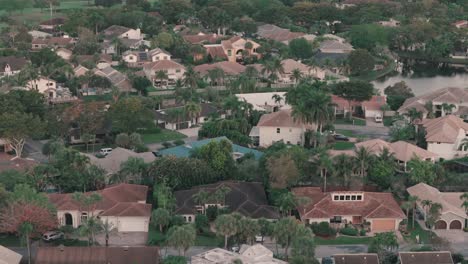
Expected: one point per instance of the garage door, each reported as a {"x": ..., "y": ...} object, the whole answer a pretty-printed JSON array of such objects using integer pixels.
[
  {"x": 455, "y": 224},
  {"x": 383, "y": 225},
  {"x": 133, "y": 224},
  {"x": 441, "y": 224}
]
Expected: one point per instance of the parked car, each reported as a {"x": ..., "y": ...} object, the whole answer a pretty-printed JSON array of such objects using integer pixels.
[
  {"x": 339, "y": 137},
  {"x": 235, "y": 248},
  {"x": 105, "y": 151},
  {"x": 259, "y": 239},
  {"x": 378, "y": 118},
  {"x": 52, "y": 235}
]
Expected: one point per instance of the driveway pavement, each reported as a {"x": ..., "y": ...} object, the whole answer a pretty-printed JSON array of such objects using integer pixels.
[
  {"x": 190, "y": 132},
  {"x": 457, "y": 238},
  {"x": 124, "y": 239},
  {"x": 371, "y": 123}
]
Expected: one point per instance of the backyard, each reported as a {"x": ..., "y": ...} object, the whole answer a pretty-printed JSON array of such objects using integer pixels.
[{"x": 162, "y": 136}]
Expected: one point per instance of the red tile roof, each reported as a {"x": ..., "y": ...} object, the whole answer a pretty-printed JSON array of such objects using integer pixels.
[
  {"x": 9, "y": 162},
  {"x": 374, "y": 205},
  {"x": 229, "y": 68},
  {"x": 375, "y": 103},
  {"x": 124, "y": 196},
  {"x": 199, "y": 39},
  {"x": 281, "y": 118},
  {"x": 216, "y": 52}
]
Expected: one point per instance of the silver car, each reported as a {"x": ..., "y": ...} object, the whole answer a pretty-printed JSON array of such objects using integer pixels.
[{"x": 52, "y": 235}]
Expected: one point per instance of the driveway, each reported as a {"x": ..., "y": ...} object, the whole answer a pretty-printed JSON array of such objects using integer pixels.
[
  {"x": 190, "y": 132},
  {"x": 371, "y": 122},
  {"x": 124, "y": 239},
  {"x": 457, "y": 238}
]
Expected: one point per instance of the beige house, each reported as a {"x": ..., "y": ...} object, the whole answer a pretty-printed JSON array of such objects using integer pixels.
[
  {"x": 43, "y": 85},
  {"x": 401, "y": 150},
  {"x": 233, "y": 48},
  {"x": 350, "y": 207},
  {"x": 174, "y": 71},
  {"x": 64, "y": 53},
  {"x": 11, "y": 65},
  {"x": 290, "y": 65},
  {"x": 255, "y": 254},
  {"x": 140, "y": 58},
  {"x": 123, "y": 205},
  {"x": 279, "y": 126},
  {"x": 116, "y": 31},
  {"x": 335, "y": 46},
  {"x": 283, "y": 35},
  {"x": 446, "y": 136},
  {"x": 453, "y": 215},
  {"x": 265, "y": 102}
]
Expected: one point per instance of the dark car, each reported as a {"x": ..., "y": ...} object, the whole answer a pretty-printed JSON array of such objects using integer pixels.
[{"x": 339, "y": 137}]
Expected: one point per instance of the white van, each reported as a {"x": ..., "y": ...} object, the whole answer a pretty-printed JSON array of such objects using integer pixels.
[
  {"x": 378, "y": 118},
  {"x": 105, "y": 151}
]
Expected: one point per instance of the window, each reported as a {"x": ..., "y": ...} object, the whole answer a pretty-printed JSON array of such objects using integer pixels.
[
  {"x": 288, "y": 142},
  {"x": 348, "y": 197},
  {"x": 190, "y": 219},
  {"x": 290, "y": 130},
  {"x": 278, "y": 130},
  {"x": 353, "y": 197},
  {"x": 84, "y": 216},
  {"x": 178, "y": 70},
  {"x": 335, "y": 219},
  {"x": 157, "y": 58},
  {"x": 229, "y": 52},
  {"x": 336, "y": 198},
  {"x": 165, "y": 57},
  {"x": 359, "y": 197},
  {"x": 131, "y": 57},
  {"x": 341, "y": 197}
]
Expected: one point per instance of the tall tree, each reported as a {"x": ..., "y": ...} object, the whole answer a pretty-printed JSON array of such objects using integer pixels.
[
  {"x": 130, "y": 114},
  {"x": 161, "y": 218},
  {"x": 226, "y": 225},
  {"x": 364, "y": 158},
  {"x": 181, "y": 237},
  {"x": 360, "y": 61},
  {"x": 17, "y": 127},
  {"x": 284, "y": 231},
  {"x": 354, "y": 91}
]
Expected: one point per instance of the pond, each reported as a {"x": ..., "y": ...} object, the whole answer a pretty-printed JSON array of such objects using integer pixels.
[{"x": 424, "y": 78}]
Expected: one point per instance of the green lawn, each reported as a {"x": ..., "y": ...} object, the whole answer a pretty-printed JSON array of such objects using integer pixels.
[
  {"x": 163, "y": 136},
  {"x": 388, "y": 121},
  {"x": 343, "y": 145},
  {"x": 345, "y": 132},
  {"x": 346, "y": 121},
  {"x": 342, "y": 240},
  {"x": 8, "y": 240},
  {"x": 101, "y": 97},
  {"x": 424, "y": 235}
]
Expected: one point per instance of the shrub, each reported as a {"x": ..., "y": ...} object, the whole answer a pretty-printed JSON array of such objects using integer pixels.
[
  {"x": 174, "y": 260},
  {"x": 201, "y": 221},
  {"x": 179, "y": 142},
  {"x": 349, "y": 231},
  {"x": 122, "y": 140},
  {"x": 212, "y": 212},
  {"x": 141, "y": 148},
  {"x": 362, "y": 232},
  {"x": 323, "y": 229},
  {"x": 465, "y": 229},
  {"x": 177, "y": 220},
  {"x": 457, "y": 257},
  {"x": 166, "y": 144}
]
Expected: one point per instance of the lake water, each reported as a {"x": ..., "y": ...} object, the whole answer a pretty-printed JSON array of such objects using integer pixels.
[{"x": 423, "y": 79}]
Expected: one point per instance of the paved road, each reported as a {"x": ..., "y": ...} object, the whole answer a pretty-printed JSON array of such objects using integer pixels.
[{"x": 367, "y": 131}]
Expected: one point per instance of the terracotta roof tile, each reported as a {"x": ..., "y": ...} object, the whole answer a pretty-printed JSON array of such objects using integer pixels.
[
  {"x": 229, "y": 68},
  {"x": 281, "y": 118},
  {"x": 444, "y": 129}
]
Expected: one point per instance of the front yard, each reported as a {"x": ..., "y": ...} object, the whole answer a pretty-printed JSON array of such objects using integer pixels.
[
  {"x": 354, "y": 121},
  {"x": 162, "y": 136},
  {"x": 206, "y": 239},
  {"x": 342, "y": 240},
  {"x": 424, "y": 235}
]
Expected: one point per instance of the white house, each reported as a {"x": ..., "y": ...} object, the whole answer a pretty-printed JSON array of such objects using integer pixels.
[
  {"x": 116, "y": 31},
  {"x": 43, "y": 85},
  {"x": 123, "y": 205},
  {"x": 279, "y": 126},
  {"x": 446, "y": 136},
  {"x": 265, "y": 102},
  {"x": 290, "y": 65},
  {"x": 140, "y": 58},
  {"x": 166, "y": 118}
]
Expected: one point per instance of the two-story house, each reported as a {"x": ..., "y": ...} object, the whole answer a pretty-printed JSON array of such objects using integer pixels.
[
  {"x": 233, "y": 49},
  {"x": 129, "y": 37},
  {"x": 279, "y": 126},
  {"x": 43, "y": 85},
  {"x": 140, "y": 58},
  {"x": 173, "y": 72},
  {"x": 379, "y": 210}
]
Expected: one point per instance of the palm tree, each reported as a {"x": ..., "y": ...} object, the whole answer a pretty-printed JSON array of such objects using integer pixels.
[
  {"x": 201, "y": 198},
  {"x": 227, "y": 226},
  {"x": 193, "y": 110},
  {"x": 343, "y": 167},
  {"x": 413, "y": 201},
  {"x": 132, "y": 171},
  {"x": 117, "y": 44},
  {"x": 286, "y": 203},
  {"x": 161, "y": 217},
  {"x": 220, "y": 194},
  {"x": 90, "y": 227},
  {"x": 176, "y": 114},
  {"x": 406, "y": 206},
  {"x": 296, "y": 75},
  {"x": 426, "y": 204},
  {"x": 161, "y": 76},
  {"x": 181, "y": 237},
  {"x": 251, "y": 72},
  {"x": 191, "y": 78},
  {"x": 364, "y": 158},
  {"x": 107, "y": 229},
  {"x": 413, "y": 114},
  {"x": 324, "y": 164},
  {"x": 447, "y": 108},
  {"x": 248, "y": 46},
  {"x": 464, "y": 198},
  {"x": 277, "y": 98},
  {"x": 272, "y": 68},
  {"x": 430, "y": 109},
  {"x": 216, "y": 76}
]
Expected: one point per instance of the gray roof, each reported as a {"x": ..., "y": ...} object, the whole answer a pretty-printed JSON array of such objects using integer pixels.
[
  {"x": 111, "y": 163},
  {"x": 114, "y": 31},
  {"x": 16, "y": 63}
]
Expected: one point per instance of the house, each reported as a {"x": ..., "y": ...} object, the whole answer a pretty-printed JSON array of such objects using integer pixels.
[
  {"x": 11, "y": 65},
  {"x": 97, "y": 255},
  {"x": 64, "y": 53},
  {"x": 338, "y": 208},
  {"x": 254, "y": 254},
  {"x": 289, "y": 65},
  {"x": 335, "y": 46},
  {"x": 116, "y": 31},
  {"x": 265, "y": 102},
  {"x": 454, "y": 99},
  {"x": 201, "y": 38},
  {"x": 424, "y": 257},
  {"x": 111, "y": 162},
  {"x": 117, "y": 78},
  {"x": 445, "y": 136},
  {"x": 229, "y": 68},
  {"x": 402, "y": 151},
  {"x": 80, "y": 71},
  {"x": 100, "y": 60},
  {"x": 43, "y": 85},
  {"x": 272, "y": 32},
  {"x": 246, "y": 198},
  {"x": 175, "y": 118},
  {"x": 185, "y": 150},
  {"x": 140, "y": 58},
  {"x": 123, "y": 205},
  {"x": 461, "y": 24},
  {"x": 279, "y": 126},
  {"x": 356, "y": 258},
  {"x": 52, "y": 23},
  {"x": 8, "y": 256},
  {"x": 173, "y": 70},
  {"x": 233, "y": 49},
  {"x": 369, "y": 108},
  {"x": 453, "y": 215},
  {"x": 53, "y": 42},
  {"x": 39, "y": 34},
  {"x": 389, "y": 23}
]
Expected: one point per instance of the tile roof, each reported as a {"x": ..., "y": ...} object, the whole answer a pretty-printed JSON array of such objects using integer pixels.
[
  {"x": 114, "y": 31},
  {"x": 111, "y": 163},
  {"x": 216, "y": 52},
  {"x": 112, "y": 196},
  {"x": 163, "y": 65},
  {"x": 432, "y": 257},
  {"x": 200, "y": 39},
  {"x": 257, "y": 253},
  {"x": 281, "y": 118},
  {"x": 402, "y": 150},
  {"x": 207, "y": 109},
  {"x": 450, "y": 95},
  {"x": 53, "y": 21},
  {"x": 8, "y": 256},
  {"x": 247, "y": 198},
  {"x": 359, "y": 258},
  {"x": 444, "y": 129},
  {"x": 260, "y": 100},
  {"x": 375, "y": 103},
  {"x": 289, "y": 65},
  {"x": 450, "y": 201},
  {"x": 9, "y": 162},
  {"x": 269, "y": 31},
  {"x": 15, "y": 63},
  {"x": 97, "y": 255},
  {"x": 374, "y": 205},
  {"x": 335, "y": 45},
  {"x": 184, "y": 151},
  {"x": 54, "y": 41},
  {"x": 228, "y": 67}
]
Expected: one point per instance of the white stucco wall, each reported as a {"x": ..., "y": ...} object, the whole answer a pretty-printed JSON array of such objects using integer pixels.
[
  {"x": 132, "y": 34},
  {"x": 444, "y": 150},
  {"x": 45, "y": 86},
  {"x": 269, "y": 135},
  {"x": 128, "y": 223}
]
